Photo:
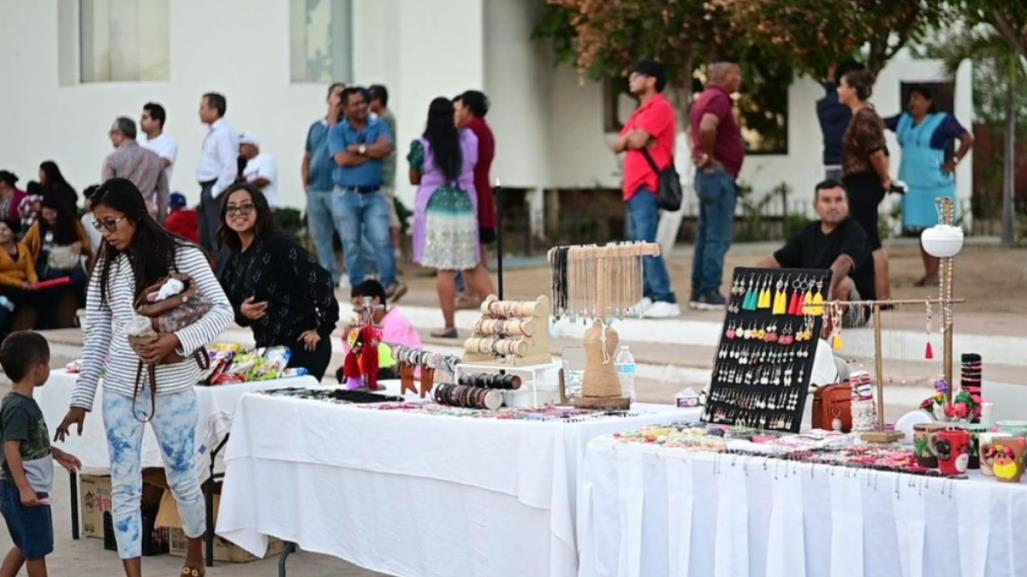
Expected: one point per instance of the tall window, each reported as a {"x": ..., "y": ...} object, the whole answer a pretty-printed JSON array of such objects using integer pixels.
[
  {"x": 123, "y": 40},
  {"x": 320, "y": 40}
]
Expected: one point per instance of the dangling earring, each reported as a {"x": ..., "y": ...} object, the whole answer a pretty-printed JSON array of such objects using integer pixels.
[
  {"x": 929, "y": 352},
  {"x": 836, "y": 327},
  {"x": 764, "y": 302},
  {"x": 780, "y": 299},
  {"x": 817, "y": 304}
]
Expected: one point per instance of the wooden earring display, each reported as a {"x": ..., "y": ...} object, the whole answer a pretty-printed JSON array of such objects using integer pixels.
[{"x": 510, "y": 333}]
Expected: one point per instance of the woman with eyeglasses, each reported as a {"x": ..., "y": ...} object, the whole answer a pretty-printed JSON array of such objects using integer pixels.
[
  {"x": 60, "y": 248},
  {"x": 135, "y": 254},
  {"x": 276, "y": 287}
]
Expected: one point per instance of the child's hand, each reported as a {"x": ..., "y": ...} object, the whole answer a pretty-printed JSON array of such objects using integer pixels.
[
  {"x": 67, "y": 460},
  {"x": 29, "y": 498}
]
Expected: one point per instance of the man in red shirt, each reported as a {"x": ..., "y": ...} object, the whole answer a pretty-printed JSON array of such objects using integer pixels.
[
  {"x": 652, "y": 127},
  {"x": 183, "y": 221},
  {"x": 718, "y": 151}
]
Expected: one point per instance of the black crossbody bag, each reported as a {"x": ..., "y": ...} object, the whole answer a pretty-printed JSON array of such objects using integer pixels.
[{"x": 670, "y": 184}]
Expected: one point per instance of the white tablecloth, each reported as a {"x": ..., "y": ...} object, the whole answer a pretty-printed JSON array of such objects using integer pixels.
[
  {"x": 217, "y": 405},
  {"x": 653, "y": 512},
  {"x": 411, "y": 494}
]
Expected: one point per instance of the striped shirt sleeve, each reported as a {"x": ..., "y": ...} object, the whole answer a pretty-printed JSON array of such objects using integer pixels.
[
  {"x": 191, "y": 261},
  {"x": 97, "y": 342}
]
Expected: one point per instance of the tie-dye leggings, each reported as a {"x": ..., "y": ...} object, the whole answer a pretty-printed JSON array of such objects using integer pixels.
[{"x": 174, "y": 425}]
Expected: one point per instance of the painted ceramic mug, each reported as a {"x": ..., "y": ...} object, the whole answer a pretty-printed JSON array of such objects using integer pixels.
[
  {"x": 952, "y": 447},
  {"x": 1005, "y": 457},
  {"x": 924, "y": 435},
  {"x": 987, "y": 440},
  {"x": 975, "y": 430}
]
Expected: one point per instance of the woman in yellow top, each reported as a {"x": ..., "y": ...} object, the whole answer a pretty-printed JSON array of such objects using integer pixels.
[
  {"x": 17, "y": 274},
  {"x": 60, "y": 248}
]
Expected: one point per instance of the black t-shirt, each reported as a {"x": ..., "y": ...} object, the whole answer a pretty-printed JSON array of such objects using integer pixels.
[{"x": 811, "y": 248}]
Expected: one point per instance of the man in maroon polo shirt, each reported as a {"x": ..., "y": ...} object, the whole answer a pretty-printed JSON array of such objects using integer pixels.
[
  {"x": 469, "y": 110},
  {"x": 652, "y": 127},
  {"x": 718, "y": 151}
]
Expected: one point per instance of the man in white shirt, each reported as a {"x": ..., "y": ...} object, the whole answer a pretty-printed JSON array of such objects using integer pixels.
[
  {"x": 164, "y": 145},
  {"x": 218, "y": 166},
  {"x": 261, "y": 170}
]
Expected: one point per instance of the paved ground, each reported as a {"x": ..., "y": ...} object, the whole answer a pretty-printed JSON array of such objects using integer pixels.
[{"x": 991, "y": 279}]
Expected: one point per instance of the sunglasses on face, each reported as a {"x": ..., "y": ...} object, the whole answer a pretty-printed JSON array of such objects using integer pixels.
[
  {"x": 243, "y": 209},
  {"x": 110, "y": 225}
]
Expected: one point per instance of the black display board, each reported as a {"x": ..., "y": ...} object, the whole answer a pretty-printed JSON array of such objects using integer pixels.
[{"x": 767, "y": 345}]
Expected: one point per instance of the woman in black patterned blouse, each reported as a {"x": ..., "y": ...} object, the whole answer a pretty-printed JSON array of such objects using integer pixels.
[{"x": 276, "y": 287}]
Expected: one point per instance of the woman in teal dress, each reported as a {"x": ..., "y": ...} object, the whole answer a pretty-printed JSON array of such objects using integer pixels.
[{"x": 925, "y": 136}]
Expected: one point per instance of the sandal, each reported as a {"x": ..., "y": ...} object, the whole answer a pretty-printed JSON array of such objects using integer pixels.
[
  {"x": 450, "y": 333},
  {"x": 188, "y": 571}
]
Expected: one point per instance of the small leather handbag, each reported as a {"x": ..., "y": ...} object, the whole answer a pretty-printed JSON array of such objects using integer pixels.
[
  {"x": 832, "y": 402},
  {"x": 168, "y": 316}
]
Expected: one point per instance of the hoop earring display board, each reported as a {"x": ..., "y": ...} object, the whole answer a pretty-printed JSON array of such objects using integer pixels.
[{"x": 765, "y": 357}]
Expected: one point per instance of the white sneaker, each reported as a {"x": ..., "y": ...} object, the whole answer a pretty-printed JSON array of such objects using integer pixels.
[
  {"x": 344, "y": 282},
  {"x": 662, "y": 310},
  {"x": 641, "y": 306}
]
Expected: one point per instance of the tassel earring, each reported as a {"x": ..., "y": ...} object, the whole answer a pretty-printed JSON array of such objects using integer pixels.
[
  {"x": 929, "y": 351},
  {"x": 817, "y": 303},
  {"x": 836, "y": 327},
  {"x": 780, "y": 299},
  {"x": 764, "y": 302}
]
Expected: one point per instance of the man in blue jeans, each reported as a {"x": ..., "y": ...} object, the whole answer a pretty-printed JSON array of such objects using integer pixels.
[
  {"x": 318, "y": 167},
  {"x": 358, "y": 145},
  {"x": 718, "y": 151},
  {"x": 651, "y": 128}
]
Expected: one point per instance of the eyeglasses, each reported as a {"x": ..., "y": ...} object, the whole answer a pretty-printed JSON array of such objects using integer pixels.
[
  {"x": 110, "y": 224},
  {"x": 243, "y": 209}
]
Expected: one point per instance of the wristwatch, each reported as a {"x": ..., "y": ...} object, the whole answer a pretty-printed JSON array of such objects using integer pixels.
[{"x": 362, "y": 149}]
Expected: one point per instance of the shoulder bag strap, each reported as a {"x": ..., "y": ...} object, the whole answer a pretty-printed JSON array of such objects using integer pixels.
[{"x": 649, "y": 159}]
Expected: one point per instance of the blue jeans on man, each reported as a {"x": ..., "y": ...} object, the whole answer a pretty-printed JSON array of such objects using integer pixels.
[
  {"x": 643, "y": 220},
  {"x": 365, "y": 214},
  {"x": 321, "y": 222},
  {"x": 718, "y": 196}
]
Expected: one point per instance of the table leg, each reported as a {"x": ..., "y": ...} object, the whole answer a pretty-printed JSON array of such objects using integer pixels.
[
  {"x": 290, "y": 548},
  {"x": 209, "y": 497},
  {"x": 74, "y": 504}
]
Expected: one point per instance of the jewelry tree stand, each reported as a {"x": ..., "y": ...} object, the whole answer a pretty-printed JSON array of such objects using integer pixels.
[
  {"x": 946, "y": 249},
  {"x": 599, "y": 284}
]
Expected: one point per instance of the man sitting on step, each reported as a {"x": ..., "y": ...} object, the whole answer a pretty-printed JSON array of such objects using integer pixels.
[{"x": 835, "y": 242}]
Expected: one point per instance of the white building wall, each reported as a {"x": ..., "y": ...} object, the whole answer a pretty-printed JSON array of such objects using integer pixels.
[
  {"x": 549, "y": 127},
  {"x": 239, "y": 48}
]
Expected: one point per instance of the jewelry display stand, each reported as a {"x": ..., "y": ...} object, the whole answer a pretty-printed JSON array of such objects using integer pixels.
[
  {"x": 599, "y": 283},
  {"x": 510, "y": 334},
  {"x": 945, "y": 300},
  {"x": 541, "y": 382},
  {"x": 765, "y": 357}
]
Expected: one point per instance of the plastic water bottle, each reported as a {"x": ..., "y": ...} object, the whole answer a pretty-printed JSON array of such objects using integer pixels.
[{"x": 625, "y": 364}]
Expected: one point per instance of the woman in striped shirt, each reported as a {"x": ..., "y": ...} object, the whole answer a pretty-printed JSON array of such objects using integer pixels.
[{"x": 136, "y": 253}]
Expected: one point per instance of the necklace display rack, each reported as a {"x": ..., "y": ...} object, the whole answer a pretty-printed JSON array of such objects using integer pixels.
[
  {"x": 599, "y": 284},
  {"x": 764, "y": 361}
]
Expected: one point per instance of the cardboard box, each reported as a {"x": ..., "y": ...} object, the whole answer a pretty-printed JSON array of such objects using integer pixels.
[
  {"x": 94, "y": 501},
  {"x": 95, "y": 497},
  {"x": 224, "y": 551}
]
